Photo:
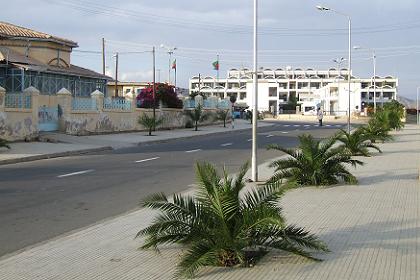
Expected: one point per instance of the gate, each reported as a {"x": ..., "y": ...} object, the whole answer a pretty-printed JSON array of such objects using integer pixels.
[{"x": 48, "y": 118}]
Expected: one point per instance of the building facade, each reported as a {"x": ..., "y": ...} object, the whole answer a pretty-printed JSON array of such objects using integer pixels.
[
  {"x": 32, "y": 58},
  {"x": 310, "y": 88}
]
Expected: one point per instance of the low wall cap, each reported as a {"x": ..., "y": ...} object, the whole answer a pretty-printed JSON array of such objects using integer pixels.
[
  {"x": 96, "y": 92},
  {"x": 31, "y": 89},
  {"x": 64, "y": 91}
]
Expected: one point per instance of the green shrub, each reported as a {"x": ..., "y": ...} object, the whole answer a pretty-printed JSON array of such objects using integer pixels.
[
  {"x": 225, "y": 224},
  {"x": 314, "y": 163}
]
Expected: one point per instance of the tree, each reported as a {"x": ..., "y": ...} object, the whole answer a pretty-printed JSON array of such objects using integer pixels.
[
  {"x": 4, "y": 144},
  {"x": 313, "y": 163},
  {"x": 149, "y": 122},
  {"x": 395, "y": 111},
  {"x": 163, "y": 93},
  {"x": 223, "y": 115},
  {"x": 356, "y": 143},
  {"x": 225, "y": 224},
  {"x": 377, "y": 128},
  {"x": 197, "y": 115}
]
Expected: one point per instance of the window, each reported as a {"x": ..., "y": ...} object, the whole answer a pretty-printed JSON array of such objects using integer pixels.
[
  {"x": 272, "y": 92},
  {"x": 242, "y": 95}
]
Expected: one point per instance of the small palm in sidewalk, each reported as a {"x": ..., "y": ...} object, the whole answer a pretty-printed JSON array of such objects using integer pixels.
[
  {"x": 376, "y": 130},
  {"x": 225, "y": 224},
  {"x": 149, "y": 122},
  {"x": 314, "y": 163},
  {"x": 356, "y": 142},
  {"x": 223, "y": 115},
  {"x": 4, "y": 144},
  {"x": 197, "y": 115}
]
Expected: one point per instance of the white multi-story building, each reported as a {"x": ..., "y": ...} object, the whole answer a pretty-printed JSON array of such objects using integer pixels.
[{"x": 327, "y": 89}]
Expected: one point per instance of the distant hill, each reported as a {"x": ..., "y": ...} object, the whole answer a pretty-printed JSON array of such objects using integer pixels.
[{"x": 408, "y": 103}]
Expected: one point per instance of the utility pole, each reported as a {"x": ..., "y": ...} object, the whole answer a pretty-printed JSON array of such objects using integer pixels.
[
  {"x": 116, "y": 74},
  {"x": 154, "y": 87},
  {"x": 199, "y": 83},
  {"x": 103, "y": 56}
]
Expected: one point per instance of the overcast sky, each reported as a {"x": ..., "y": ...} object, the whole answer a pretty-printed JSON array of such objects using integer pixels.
[{"x": 293, "y": 33}]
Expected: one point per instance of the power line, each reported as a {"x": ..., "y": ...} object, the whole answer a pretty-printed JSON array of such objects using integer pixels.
[{"x": 94, "y": 8}]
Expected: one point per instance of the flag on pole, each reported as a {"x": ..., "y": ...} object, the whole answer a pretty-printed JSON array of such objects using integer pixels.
[
  {"x": 174, "y": 64},
  {"x": 216, "y": 65}
]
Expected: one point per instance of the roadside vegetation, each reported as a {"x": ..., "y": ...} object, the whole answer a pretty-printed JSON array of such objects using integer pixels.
[
  {"x": 149, "y": 122},
  {"x": 325, "y": 162},
  {"x": 4, "y": 144},
  {"x": 197, "y": 115},
  {"x": 357, "y": 143},
  {"x": 313, "y": 163},
  {"x": 225, "y": 224},
  {"x": 223, "y": 116}
]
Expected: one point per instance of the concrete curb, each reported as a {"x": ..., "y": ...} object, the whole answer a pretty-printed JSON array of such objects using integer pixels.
[
  {"x": 192, "y": 136},
  {"x": 109, "y": 148},
  {"x": 55, "y": 155}
]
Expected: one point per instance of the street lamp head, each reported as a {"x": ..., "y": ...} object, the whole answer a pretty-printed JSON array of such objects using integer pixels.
[
  {"x": 322, "y": 8},
  {"x": 357, "y": 47}
]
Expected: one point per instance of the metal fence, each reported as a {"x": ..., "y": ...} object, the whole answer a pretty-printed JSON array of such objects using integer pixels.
[
  {"x": 117, "y": 104},
  {"x": 84, "y": 104},
  {"x": 18, "y": 100}
]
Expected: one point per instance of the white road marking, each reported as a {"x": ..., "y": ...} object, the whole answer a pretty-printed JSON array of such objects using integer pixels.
[
  {"x": 285, "y": 132},
  {"x": 148, "y": 159},
  {"x": 193, "y": 151},
  {"x": 226, "y": 144},
  {"x": 338, "y": 125},
  {"x": 249, "y": 140},
  {"x": 297, "y": 125},
  {"x": 306, "y": 125},
  {"x": 327, "y": 125},
  {"x": 287, "y": 125},
  {"x": 270, "y": 135},
  {"x": 75, "y": 173}
]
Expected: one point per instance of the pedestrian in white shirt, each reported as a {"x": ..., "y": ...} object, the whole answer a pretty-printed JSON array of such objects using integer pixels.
[{"x": 320, "y": 116}]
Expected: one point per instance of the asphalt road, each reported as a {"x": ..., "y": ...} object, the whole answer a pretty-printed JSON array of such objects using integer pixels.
[{"x": 43, "y": 199}]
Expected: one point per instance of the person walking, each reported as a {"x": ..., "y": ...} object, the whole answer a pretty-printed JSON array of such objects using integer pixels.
[{"x": 320, "y": 116}]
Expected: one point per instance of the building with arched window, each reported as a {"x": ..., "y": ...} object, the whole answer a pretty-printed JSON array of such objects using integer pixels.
[{"x": 309, "y": 87}]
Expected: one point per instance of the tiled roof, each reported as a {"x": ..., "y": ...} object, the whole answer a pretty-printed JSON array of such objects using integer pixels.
[
  {"x": 11, "y": 30},
  {"x": 27, "y": 63}
]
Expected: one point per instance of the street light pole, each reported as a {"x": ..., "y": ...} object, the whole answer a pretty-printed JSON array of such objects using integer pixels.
[
  {"x": 374, "y": 74},
  {"x": 374, "y": 81},
  {"x": 326, "y": 9},
  {"x": 339, "y": 61},
  {"x": 349, "y": 77},
  {"x": 417, "y": 105},
  {"x": 154, "y": 88},
  {"x": 254, "y": 161}
]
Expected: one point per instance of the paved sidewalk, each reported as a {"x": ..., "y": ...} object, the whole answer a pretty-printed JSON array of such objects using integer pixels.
[
  {"x": 66, "y": 145},
  {"x": 372, "y": 229}
]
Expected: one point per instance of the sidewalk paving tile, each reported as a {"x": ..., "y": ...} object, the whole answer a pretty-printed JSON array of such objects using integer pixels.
[{"x": 372, "y": 230}]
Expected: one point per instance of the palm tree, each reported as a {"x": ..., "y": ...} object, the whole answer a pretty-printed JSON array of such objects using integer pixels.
[
  {"x": 4, "y": 144},
  {"x": 223, "y": 115},
  {"x": 197, "y": 115},
  {"x": 225, "y": 224},
  {"x": 356, "y": 143},
  {"x": 314, "y": 163},
  {"x": 376, "y": 130},
  {"x": 150, "y": 123}
]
